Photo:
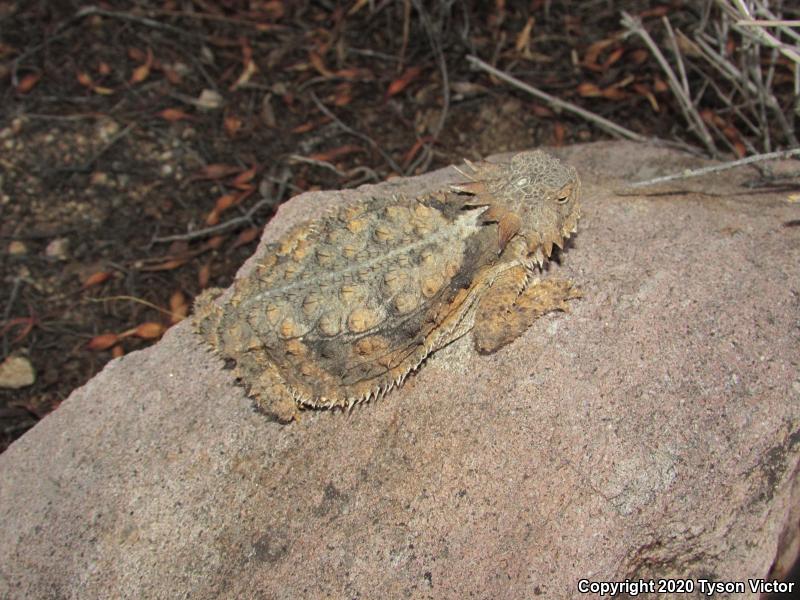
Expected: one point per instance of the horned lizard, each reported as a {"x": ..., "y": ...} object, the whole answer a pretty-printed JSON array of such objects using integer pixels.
[{"x": 342, "y": 308}]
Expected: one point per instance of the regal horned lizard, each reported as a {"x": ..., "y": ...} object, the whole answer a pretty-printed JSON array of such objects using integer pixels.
[{"x": 342, "y": 308}]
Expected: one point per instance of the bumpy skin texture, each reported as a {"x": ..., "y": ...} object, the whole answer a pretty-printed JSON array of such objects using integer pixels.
[{"x": 341, "y": 309}]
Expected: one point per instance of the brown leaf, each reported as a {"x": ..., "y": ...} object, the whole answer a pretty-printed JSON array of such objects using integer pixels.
[
  {"x": 612, "y": 58},
  {"x": 178, "y": 307},
  {"x": 399, "y": 84},
  {"x": 172, "y": 75},
  {"x": 216, "y": 171},
  {"x": 244, "y": 177},
  {"x": 104, "y": 341},
  {"x": 643, "y": 90},
  {"x": 225, "y": 202},
  {"x": 173, "y": 114},
  {"x": 215, "y": 243},
  {"x": 638, "y": 56},
  {"x": 149, "y": 330},
  {"x": 232, "y": 125},
  {"x": 414, "y": 150},
  {"x": 26, "y": 84},
  {"x": 541, "y": 111},
  {"x": 334, "y": 153},
  {"x": 316, "y": 61},
  {"x": 117, "y": 351},
  {"x": 344, "y": 95},
  {"x": 355, "y": 74},
  {"x": 136, "y": 55},
  {"x": 524, "y": 38},
  {"x": 589, "y": 90},
  {"x": 204, "y": 276},
  {"x": 103, "y": 68},
  {"x": 176, "y": 300},
  {"x": 246, "y": 236},
  {"x": 212, "y": 218},
  {"x": 592, "y": 56},
  {"x": 168, "y": 265},
  {"x": 96, "y": 278},
  {"x": 84, "y": 79},
  {"x": 142, "y": 72},
  {"x": 559, "y": 133},
  {"x": 304, "y": 127}
]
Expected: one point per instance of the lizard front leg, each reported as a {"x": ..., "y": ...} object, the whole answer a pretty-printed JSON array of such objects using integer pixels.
[{"x": 513, "y": 303}]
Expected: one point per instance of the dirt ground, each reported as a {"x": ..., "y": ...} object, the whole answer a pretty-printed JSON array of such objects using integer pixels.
[{"x": 144, "y": 145}]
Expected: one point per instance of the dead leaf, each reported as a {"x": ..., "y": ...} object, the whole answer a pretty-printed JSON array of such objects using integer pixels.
[
  {"x": 244, "y": 177},
  {"x": 638, "y": 56},
  {"x": 334, "y": 153},
  {"x": 172, "y": 75},
  {"x": 216, "y": 171},
  {"x": 26, "y": 84},
  {"x": 224, "y": 202},
  {"x": 316, "y": 61},
  {"x": 246, "y": 236},
  {"x": 212, "y": 218},
  {"x": 177, "y": 300},
  {"x": 204, "y": 276},
  {"x": 232, "y": 125},
  {"x": 414, "y": 150},
  {"x": 96, "y": 278},
  {"x": 104, "y": 341},
  {"x": 215, "y": 243},
  {"x": 173, "y": 114},
  {"x": 643, "y": 90},
  {"x": 168, "y": 265},
  {"x": 142, "y": 72},
  {"x": 612, "y": 58},
  {"x": 524, "y": 38},
  {"x": 542, "y": 111},
  {"x": 249, "y": 70},
  {"x": 559, "y": 133},
  {"x": 103, "y": 68},
  {"x": 304, "y": 127},
  {"x": 149, "y": 330},
  {"x": 136, "y": 55},
  {"x": 401, "y": 83},
  {"x": 344, "y": 95},
  {"x": 592, "y": 56},
  {"x": 117, "y": 351},
  {"x": 208, "y": 100},
  {"x": 84, "y": 79},
  {"x": 589, "y": 90}
]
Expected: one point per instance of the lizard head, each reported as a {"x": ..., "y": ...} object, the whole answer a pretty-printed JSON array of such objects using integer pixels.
[{"x": 533, "y": 196}]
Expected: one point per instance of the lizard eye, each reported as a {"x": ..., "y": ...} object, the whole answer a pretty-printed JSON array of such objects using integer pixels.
[
  {"x": 563, "y": 194},
  {"x": 521, "y": 182}
]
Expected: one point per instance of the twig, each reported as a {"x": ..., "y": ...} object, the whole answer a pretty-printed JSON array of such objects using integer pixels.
[
  {"x": 134, "y": 299},
  {"x": 601, "y": 122},
  {"x": 634, "y": 25},
  {"x": 231, "y": 223},
  {"x": 722, "y": 167},
  {"x": 435, "y": 39},
  {"x": 327, "y": 112},
  {"x": 124, "y": 16}
]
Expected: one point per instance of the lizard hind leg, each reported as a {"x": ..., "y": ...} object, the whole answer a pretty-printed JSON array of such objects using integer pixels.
[{"x": 510, "y": 306}]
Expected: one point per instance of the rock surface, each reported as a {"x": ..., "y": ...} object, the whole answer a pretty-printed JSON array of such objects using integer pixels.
[{"x": 652, "y": 432}]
